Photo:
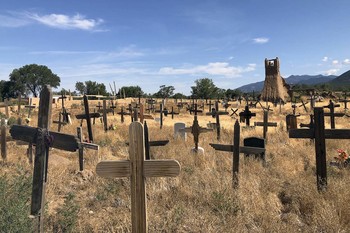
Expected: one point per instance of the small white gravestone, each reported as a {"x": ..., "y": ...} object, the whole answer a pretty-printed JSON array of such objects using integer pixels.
[
  {"x": 199, "y": 151},
  {"x": 177, "y": 132}
]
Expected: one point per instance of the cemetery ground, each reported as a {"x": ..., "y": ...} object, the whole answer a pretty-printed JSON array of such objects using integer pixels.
[{"x": 279, "y": 196}]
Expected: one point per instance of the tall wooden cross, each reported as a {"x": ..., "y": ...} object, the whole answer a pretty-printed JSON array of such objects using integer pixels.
[
  {"x": 319, "y": 133},
  {"x": 266, "y": 124},
  {"x": 142, "y": 114},
  {"x": 122, "y": 113},
  {"x": 195, "y": 130},
  {"x": 149, "y": 143},
  {"x": 332, "y": 114},
  {"x": 246, "y": 115},
  {"x": 173, "y": 112},
  {"x": 236, "y": 149},
  {"x": 138, "y": 169},
  {"x": 83, "y": 145},
  {"x": 43, "y": 139}
]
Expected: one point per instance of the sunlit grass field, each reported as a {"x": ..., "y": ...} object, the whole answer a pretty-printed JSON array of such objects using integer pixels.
[{"x": 279, "y": 197}]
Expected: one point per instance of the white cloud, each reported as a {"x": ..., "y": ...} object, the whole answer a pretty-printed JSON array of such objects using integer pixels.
[
  {"x": 324, "y": 59},
  {"x": 12, "y": 21},
  {"x": 65, "y": 21},
  {"x": 346, "y": 61},
  {"x": 215, "y": 68},
  {"x": 331, "y": 72},
  {"x": 261, "y": 40},
  {"x": 335, "y": 62}
]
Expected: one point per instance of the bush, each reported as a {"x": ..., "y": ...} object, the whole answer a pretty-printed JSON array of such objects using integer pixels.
[{"x": 15, "y": 191}]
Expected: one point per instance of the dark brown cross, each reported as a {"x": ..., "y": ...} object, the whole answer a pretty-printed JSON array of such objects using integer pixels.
[
  {"x": 112, "y": 106},
  {"x": 138, "y": 169},
  {"x": 99, "y": 106},
  {"x": 304, "y": 105},
  {"x": 236, "y": 149},
  {"x": 319, "y": 133},
  {"x": 266, "y": 124},
  {"x": 216, "y": 114},
  {"x": 43, "y": 138},
  {"x": 209, "y": 106},
  {"x": 234, "y": 112},
  {"x": 59, "y": 122},
  {"x": 246, "y": 115},
  {"x": 332, "y": 114},
  {"x": 83, "y": 145},
  {"x": 173, "y": 112},
  {"x": 345, "y": 101},
  {"x": 195, "y": 130},
  {"x": 311, "y": 125},
  {"x": 149, "y": 143},
  {"x": 122, "y": 113},
  {"x": 193, "y": 109}
]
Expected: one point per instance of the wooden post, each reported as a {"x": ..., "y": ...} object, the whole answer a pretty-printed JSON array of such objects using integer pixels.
[
  {"x": 161, "y": 116},
  {"x": 105, "y": 116},
  {"x": 88, "y": 120},
  {"x": 3, "y": 140},
  {"x": 137, "y": 168},
  {"x": 81, "y": 149}
]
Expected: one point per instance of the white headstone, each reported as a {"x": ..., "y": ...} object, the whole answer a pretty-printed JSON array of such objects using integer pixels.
[
  {"x": 177, "y": 132},
  {"x": 199, "y": 151}
]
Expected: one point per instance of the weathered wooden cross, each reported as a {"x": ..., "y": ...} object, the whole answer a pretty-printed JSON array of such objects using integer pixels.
[
  {"x": 319, "y": 133},
  {"x": 195, "y": 129},
  {"x": 236, "y": 149},
  {"x": 332, "y": 114},
  {"x": 113, "y": 106},
  {"x": 266, "y": 124},
  {"x": 29, "y": 107},
  {"x": 216, "y": 114},
  {"x": 345, "y": 101},
  {"x": 246, "y": 115},
  {"x": 138, "y": 169},
  {"x": 304, "y": 105}
]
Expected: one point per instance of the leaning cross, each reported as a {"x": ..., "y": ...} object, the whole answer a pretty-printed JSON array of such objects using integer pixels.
[
  {"x": 195, "y": 129},
  {"x": 266, "y": 124},
  {"x": 137, "y": 168},
  {"x": 236, "y": 149},
  {"x": 246, "y": 115},
  {"x": 319, "y": 133}
]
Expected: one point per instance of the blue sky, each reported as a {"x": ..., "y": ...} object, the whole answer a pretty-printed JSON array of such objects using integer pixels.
[{"x": 152, "y": 43}]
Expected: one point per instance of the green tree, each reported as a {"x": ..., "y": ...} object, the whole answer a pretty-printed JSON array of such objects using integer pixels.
[
  {"x": 165, "y": 92},
  {"x": 91, "y": 88},
  {"x": 179, "y": 96},
  {"x": 205, "y": 89},
  {"x": 7, "y": 89},
  {"x": 229, "y": 93},
  {"x": 130, "y": 91},
  {"x": 32, "y": 78}
]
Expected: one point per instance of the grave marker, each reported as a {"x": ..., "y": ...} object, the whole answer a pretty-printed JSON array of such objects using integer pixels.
[
  {"x": 246, "y": 115},
  {"x": 216, "y": 114},
  {"x": 319, "y": 133},
  {"x": 332, "y": 114},
  {"x": 137, "y": 168},
  {"x": 236, "y": 149},
  {"x": 266, "y": 124}
]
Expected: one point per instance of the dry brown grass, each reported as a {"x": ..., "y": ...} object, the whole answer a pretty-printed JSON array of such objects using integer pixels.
[{"x": 279, "y": 197}]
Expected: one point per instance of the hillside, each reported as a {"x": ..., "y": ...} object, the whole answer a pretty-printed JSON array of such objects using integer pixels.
[
  {"x": 342, "y": 80},
  {"x": 293, "y": 79}
]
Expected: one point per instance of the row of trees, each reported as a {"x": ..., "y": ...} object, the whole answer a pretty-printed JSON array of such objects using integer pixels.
[{"x": 30, "y": 79}]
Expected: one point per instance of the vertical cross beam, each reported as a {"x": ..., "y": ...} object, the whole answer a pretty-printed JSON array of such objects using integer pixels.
[
  {"x": 105, "y": 116},
  {"x": 320, "y": 147},
  {"x": 3, "y": 140},
  {"x": 88, "y": 119},
  {"x": 41, "y": 156},
  {"x": 81, "y": 149}
]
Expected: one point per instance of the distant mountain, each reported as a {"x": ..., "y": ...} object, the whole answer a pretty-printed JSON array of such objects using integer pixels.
[
  {"x": 342, "y": 80},
  {"x": 293, "y": 79}
]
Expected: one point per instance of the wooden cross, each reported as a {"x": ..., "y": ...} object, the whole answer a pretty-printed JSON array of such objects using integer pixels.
[
  {"x": 246, "y": 115},
  {"x": 43, "y": 140},
  {"x": 266, "y": 124},
  {"x": 319, "y": 133},
  {"x": 122, "y": 113},
  {"x": 87, "y": 116},
  {"x": 19, "y": 104},
  {"x": 236, "y": 149},
  {"x": 304, "y": 105},
  {"x": 332, "y": 114},
  {"x": 195, "y": 129},
  {"x": 193, "y": 109},
  {"x": 113, "y": 106},
  {"x": 59, "y": 122},
  {"x": 138, "y": 169},
  {"x": 6, "y": 106},
  {"x": 161, "y": 111},
  {"x": 234, "y": 112},
  {"x": 148, "y": 143},
  {"x": 345, "y": 101},
  {"x": 83, "y": 145},
  {"x": 312, "y": 99},
  {"x": 144, "y": 116},
  {"x": 173, "y": 112},
  {"x": 99, "y": 106},
  {"x": 210, "y": 104},
  {"x": 30, "y": 107},
  {"x": 310, "y": 125},
  {"x": 104, "y": 116},
  {"x": 216, "y": 114},
  {"x": 3, "y": 140}
]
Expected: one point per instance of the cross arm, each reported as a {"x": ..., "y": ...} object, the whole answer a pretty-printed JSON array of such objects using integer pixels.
[
  {"x": 92, "y": 115},
  {"x": 152, "y": 168},
  {"x": 242, "y": 149},
  {"x": 87, "y": 145},
  {"x": 328, "y": 133},
  {"x": 271, "y": 124},
  {"x": 60, "y": 141}
]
